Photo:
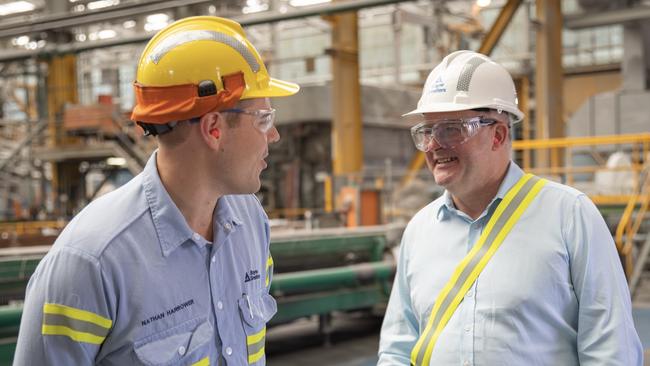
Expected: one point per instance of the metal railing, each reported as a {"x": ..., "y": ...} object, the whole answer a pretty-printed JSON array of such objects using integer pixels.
[
  {"x": 630, "y": 224},
  {"x": 562, "y": 166}
]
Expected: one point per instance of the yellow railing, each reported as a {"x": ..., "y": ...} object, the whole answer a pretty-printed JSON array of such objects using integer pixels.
[
  {"x": 629, "y": 225},
  {"x": 30, "y": 227},
  {"x": 562, "y": 165},
  {"x": 638, "y": 198}
]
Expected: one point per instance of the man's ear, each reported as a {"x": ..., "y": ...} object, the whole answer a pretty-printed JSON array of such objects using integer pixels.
[
  {"x": 501, "y": 133},
  {"x": 211, "y": 125}
]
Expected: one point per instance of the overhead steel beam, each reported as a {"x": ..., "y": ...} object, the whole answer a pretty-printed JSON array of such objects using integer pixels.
[
  {"x": 67, "y": 20},
  {"x": 500, "y": 24},
  {"x": 589, "y": 20},
  {"x": 62, "y": 21},
  {"x": 248, "y": 20}
]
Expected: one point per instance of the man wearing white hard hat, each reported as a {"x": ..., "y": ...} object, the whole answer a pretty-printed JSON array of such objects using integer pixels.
[{"x": 505, "y": 268}]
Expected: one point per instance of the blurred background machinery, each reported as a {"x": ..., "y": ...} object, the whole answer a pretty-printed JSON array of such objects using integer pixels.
[{"x": 345, "y": 177}]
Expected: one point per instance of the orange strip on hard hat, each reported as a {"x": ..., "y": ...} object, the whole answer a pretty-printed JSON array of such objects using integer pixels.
[{"x": 164, "y": 104}]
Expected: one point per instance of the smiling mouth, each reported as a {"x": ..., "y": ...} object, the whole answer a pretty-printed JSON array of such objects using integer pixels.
[{"x": 445, "y": 160}]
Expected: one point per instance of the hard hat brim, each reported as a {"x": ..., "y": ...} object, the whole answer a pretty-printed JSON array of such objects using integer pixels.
[{"x": 276, "y": 88}]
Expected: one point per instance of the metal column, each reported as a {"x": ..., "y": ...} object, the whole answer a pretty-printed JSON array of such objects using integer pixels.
[
  {"x": 347, "y": 143},
  {"x": 548, "y": 80}
]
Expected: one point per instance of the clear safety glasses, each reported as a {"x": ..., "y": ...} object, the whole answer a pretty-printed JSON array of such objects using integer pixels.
[
  {"x": 447, "y": 133},
  {"x": 264, "y": 118}
]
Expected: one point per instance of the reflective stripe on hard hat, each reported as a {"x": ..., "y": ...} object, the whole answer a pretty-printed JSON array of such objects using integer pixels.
[
  {"x": 504, "y": 218},
  {"x": 178, "y": 39},
  {"x": 466, "y": 74}
]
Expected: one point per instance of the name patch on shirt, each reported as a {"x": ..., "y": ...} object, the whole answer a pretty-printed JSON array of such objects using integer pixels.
[
  {"x": 168, "y": 312},
  {"x": 251, "y": 275}
]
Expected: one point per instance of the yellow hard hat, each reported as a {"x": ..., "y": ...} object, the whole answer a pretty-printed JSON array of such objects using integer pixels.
[{"x": 186, "y": 63}]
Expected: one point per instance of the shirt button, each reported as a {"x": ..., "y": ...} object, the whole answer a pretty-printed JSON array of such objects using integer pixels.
[
  {"x": 469, "y": 294},
  {"x": 219, "y": 305},
  {"x": 214, "y": 258},
  {"x": 466, "y": 363},
  {"x": 181, "y": 350},
  {"x": 227, "y": 226},
  {"x": 468, "y": 328},
  {"x": 228, "y": 351},
  {"x": 196, "y": 236}
]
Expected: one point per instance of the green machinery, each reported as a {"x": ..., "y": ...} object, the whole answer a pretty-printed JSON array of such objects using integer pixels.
[{"x": 315, "y": 273}]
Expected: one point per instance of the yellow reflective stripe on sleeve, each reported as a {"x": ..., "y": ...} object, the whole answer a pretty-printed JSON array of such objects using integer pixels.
[
  {"x": 252, "y": 339},
  {"x": 78, "y": 314},
  {"x": 73, "y": 334},
  {"x": 202, "y": 362},
  {"x": 79, "y": 325},
  {"x": 508, "y": 212},
  {"x": 256, "y": 356},
  {"x": 269, "y": 264}
]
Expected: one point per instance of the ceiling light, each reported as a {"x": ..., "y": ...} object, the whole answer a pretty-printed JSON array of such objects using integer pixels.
[
  {"x": 16, "y": 7},
  {"x": 483, "y": 3},
  {"x": 80, "y": 37},
  {"x": 106, "y": 34},
  {"x": 128, "y": 24},
  {"x": 20, "y": 41},
  {"x": 102, "y": 4},
  {"x": 255, "y": 9},
  {"x": 297, "y": 3},
  {"x": 157, "y": 18},
  {"x": 115, "y": 161}
]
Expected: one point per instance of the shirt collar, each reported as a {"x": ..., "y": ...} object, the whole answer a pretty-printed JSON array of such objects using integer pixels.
[
  {"x": 224, "y": 214},
  {"x": 170, "y": 224},
  {"x": 512, "y": 177}
]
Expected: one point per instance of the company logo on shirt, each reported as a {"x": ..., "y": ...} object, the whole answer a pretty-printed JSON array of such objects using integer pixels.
[{"x": 251, "y": 275}]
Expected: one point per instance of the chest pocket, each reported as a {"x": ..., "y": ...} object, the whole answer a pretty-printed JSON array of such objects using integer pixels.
[
  {"x": 256, "y": 310},
  {"x": 185, "y": 344}
]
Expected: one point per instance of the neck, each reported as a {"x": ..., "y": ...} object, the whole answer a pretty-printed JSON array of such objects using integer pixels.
[
  {"x": 475, "y": 200},
  {"x": 187, "y": 186}
]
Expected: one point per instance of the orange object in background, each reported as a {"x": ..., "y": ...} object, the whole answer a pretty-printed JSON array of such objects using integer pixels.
[
  {"x": 359, "y": 207},
  {"x": 90, "y": 119},
  {"x": 370, "y": 208}
]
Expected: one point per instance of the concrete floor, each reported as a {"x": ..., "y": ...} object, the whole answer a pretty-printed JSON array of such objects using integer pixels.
[{"x": 354, "y": 340}]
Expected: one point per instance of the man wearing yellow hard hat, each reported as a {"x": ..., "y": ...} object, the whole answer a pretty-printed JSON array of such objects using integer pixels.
[{"x": 174, "y": 267}]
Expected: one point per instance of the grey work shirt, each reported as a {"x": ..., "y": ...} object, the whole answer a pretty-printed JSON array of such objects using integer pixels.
[{"x": 129, "y": 283}]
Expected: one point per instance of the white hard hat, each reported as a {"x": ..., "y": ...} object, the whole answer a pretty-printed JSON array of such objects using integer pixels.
[{"x": 468, "y": 80}]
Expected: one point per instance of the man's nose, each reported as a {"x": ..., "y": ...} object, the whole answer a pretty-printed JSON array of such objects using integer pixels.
[{"x": 273, "y": 135}]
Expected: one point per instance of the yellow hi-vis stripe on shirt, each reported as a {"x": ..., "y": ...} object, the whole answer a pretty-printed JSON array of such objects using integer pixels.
[
  {"x": 508, "y": 212},
  {"x": 255, "y": 345},
  {"x": 79, "y": 325},
  {"x": 269, "y": 264},
  {"x": 202, "y": 362}
]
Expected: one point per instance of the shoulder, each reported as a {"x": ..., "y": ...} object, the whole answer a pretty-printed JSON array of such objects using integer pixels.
[{"x": 104, "y": 219}]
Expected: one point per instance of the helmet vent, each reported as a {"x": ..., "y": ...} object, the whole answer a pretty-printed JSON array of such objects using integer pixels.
[
  {"x": 178, "y": 39},
  {"x": 467, "y": 72}
]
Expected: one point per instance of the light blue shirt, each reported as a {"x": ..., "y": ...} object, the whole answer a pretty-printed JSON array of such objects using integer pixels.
[
  {"x": 553, "y": 294},
  {"x": 170, "y": 296}
]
